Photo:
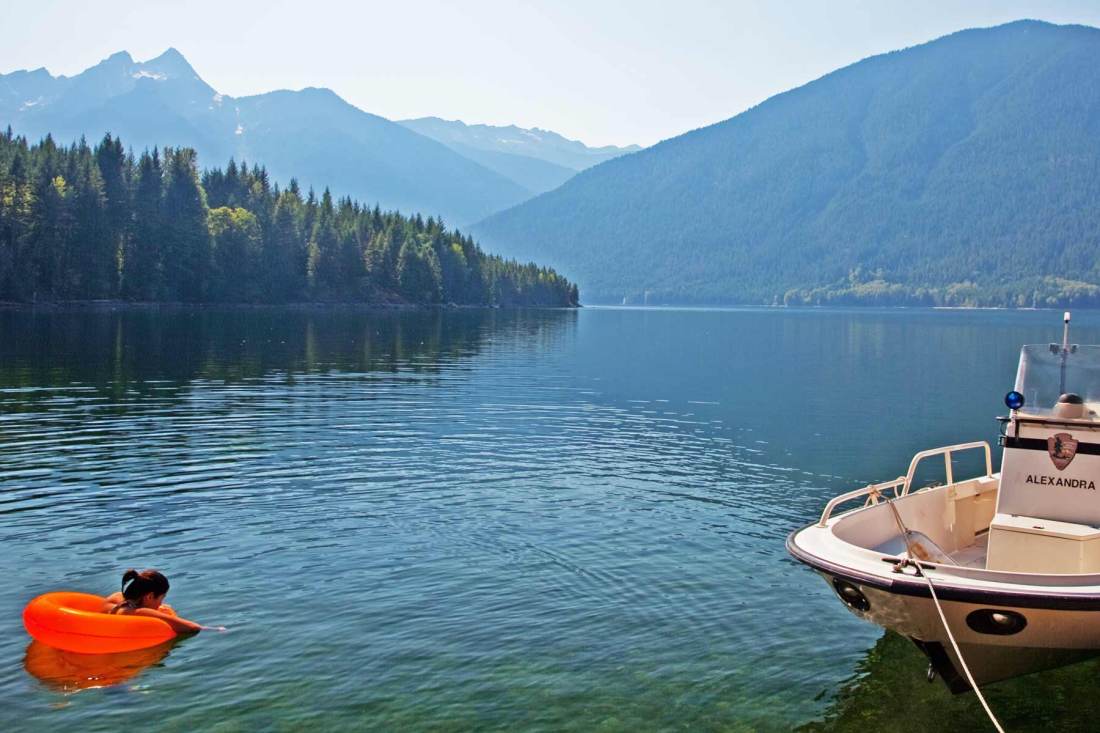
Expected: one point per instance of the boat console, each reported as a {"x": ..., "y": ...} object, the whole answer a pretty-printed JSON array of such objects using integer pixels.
[{"x": 1048, "y": 507}]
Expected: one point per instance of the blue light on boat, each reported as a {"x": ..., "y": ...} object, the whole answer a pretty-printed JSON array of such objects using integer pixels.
[{"x": 1014, "y": 400}]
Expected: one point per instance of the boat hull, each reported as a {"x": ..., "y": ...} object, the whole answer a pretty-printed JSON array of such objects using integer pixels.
[{"x": 1049, "y": 637}]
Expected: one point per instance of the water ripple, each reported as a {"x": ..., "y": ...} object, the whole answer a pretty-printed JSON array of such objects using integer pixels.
[{"x": 470, "y": 520}]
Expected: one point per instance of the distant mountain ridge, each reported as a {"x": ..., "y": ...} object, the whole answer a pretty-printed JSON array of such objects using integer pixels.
[
  {"x": 505, "y": 148},
  {"x": 312, "y": 133},
  {"x": 533, "y": 142},
  {"x": 962, "y": 171}
]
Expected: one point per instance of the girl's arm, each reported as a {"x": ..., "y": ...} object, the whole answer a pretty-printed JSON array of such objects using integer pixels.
[{"x": 179, "y": 625}]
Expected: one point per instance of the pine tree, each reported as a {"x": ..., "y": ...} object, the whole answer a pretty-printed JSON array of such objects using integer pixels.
[
  {"x": 16, "y": 207},
  {"x": 186, "y": 251},
  {"x": 142, "y": 268},
  {"x": 114, "y": 169},
  {"x": 50, "y": 222},
  {"x": 284, "y": 264},
  {"x": 91, "y": 266},
  {"x": 324, "y": 262}
]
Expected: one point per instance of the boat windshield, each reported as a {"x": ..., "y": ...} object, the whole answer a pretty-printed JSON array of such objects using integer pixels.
[{"x": 1047, "y": 371}]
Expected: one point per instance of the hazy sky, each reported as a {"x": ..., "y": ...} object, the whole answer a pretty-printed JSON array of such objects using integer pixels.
[{"x": 602, "y": 72}]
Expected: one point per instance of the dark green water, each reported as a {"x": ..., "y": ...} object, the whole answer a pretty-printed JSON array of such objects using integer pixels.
[{"x": 543, "y": 520}]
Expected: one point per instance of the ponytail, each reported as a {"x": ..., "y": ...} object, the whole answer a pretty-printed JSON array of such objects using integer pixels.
[{"x": 135, "y": 584}]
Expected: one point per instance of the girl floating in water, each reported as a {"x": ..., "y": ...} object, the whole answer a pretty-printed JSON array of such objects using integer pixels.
[{"x": 143, "y": 595}]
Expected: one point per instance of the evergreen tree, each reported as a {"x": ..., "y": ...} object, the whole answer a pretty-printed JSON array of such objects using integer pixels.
[
  {"x": 114, "y": 170},
  {"x": 49, "y": 238},
  {"x": 284, "y": 259},
  {"x": 381, "y": 256},
  {"x": 142, "y": 269},
  {"x": 93, "y": 267},
  {"x": 186, "y": 249},
  {"x": 324, "y": 263},
  {"x": 16, "y": 207}
]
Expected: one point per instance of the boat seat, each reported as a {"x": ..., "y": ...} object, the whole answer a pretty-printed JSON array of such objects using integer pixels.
[{"x": 1025, "y": 544}]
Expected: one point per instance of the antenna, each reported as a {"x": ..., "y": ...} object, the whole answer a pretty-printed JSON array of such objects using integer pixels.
[{"x": 1065, "y": 353}]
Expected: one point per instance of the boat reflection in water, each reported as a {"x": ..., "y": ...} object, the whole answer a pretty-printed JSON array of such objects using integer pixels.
[
  {"x": 884, "y": 695},
  {"x": 70, "y": 672}
]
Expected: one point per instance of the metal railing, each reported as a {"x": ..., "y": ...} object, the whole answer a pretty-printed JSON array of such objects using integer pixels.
[
  {"x": 902, "y": 484},
  {"x": 946, "y": 453},
  {"x": 871, "y": 492}
]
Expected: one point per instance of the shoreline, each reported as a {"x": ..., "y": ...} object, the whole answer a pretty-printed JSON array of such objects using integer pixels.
[
  {"x": 837, "y": 306},
  {"x": 127, "y": 305}
]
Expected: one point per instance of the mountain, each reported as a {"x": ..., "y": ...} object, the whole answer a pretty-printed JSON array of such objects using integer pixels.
[
  {"x": 962, "y": 171},
  {"x": 537, "y": 176},
  {"x": 312, "y": 133},
  {"x": 539, "y": 160}
]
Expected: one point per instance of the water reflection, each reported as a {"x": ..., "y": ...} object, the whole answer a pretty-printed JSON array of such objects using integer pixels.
[
  {"x": 122, "y": 351},
  {"x": 69, "y": 672},
  {"x": 888, "y": 692}
]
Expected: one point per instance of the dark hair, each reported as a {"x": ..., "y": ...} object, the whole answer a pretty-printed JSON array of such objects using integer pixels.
[{"x": 148, "y": 581}]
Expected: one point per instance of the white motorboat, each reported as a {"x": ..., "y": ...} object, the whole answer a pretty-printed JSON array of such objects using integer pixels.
[{"x": 1011, "y": 558}]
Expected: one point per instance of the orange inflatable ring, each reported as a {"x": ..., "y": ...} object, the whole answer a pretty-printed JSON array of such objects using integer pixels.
[{"x": 75, "y": 622}]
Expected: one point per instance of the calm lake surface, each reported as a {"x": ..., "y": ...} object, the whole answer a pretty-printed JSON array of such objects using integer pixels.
[{"x": 490, "y": 520}]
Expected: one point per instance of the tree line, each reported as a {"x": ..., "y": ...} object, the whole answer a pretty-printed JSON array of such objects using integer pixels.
[
  {"x": 92, "y": 223},
  {"x": 870, "y": 288}
]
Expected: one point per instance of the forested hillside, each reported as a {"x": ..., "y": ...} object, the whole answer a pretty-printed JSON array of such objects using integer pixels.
[
  {"x": 965, "y": 171},
  {"x": 80, "y": 223}
]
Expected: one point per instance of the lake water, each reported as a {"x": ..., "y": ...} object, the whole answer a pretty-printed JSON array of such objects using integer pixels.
[{"x": 490, "y": 520}]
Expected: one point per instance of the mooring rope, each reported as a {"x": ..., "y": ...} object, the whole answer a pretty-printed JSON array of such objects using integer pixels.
[{"x": 939, "y": 609}]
